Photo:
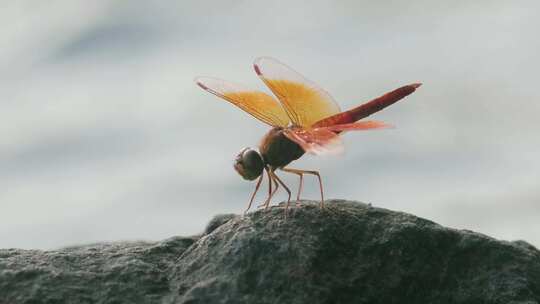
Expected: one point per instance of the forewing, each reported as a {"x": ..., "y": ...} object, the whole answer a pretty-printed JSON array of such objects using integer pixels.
[
  {"x": 357, "y": 126},
  {"x": 260, "y": 105},
  {"x": 319, "y": 141},
  {"x": 303, "y": 100}
]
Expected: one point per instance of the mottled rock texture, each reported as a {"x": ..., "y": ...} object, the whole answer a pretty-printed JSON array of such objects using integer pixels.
[{"x": 348, "y": 252}]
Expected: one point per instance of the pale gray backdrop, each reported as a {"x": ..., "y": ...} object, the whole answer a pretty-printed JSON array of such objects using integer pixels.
[{"x": 105, "y": 137}]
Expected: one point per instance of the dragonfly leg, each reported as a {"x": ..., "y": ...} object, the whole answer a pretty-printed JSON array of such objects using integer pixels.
[
  {"x": 286, "y": 189},
  {"x": 301, "y": 172},
  {"x": 270, "y": 192},
  {"x": 254, "y": 192},
  {"x": 276, "y": 185},
  {"x": 301, "y": 184}
]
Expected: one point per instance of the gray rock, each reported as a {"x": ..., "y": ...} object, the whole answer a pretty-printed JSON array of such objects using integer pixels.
[{"x": 346, "y": 253}]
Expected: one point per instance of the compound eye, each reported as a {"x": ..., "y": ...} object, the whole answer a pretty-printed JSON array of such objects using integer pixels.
[
  {"x": 251, "y": 158},
  {"x": 249, "y": 164}
]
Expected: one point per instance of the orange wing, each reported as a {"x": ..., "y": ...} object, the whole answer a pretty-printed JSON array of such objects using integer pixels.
[
  {"x": 260, "y": 105},
  {"x": 325, "y": 140},
  {"x": 303, "y": 100}
]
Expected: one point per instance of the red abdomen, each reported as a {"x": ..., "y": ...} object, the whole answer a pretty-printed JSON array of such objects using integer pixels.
[{"x": 368, "y": 108}]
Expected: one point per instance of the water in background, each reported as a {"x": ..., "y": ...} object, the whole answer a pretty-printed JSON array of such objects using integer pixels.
[{"x": 105, "y": 137}]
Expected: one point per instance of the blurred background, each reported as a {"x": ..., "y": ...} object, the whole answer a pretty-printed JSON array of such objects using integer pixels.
[{"x": 105, "y": 137}]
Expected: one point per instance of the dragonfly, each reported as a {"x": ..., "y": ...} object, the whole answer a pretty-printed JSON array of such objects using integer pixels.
[{"x": 303, "y": 118}]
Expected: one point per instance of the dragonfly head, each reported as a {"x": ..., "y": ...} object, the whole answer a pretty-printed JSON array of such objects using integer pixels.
[{"x": 249, "y": 164}]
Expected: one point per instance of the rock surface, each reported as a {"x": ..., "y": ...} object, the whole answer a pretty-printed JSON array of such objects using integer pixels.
[{"x": 347, "y": 253}]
